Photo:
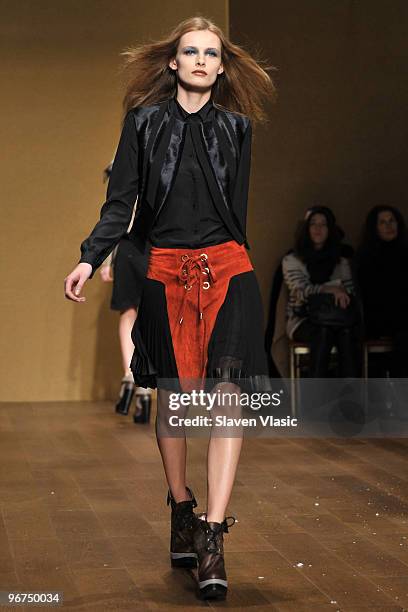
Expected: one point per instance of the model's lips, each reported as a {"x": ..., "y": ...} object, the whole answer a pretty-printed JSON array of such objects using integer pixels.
[{"x": 200, "y": 72}]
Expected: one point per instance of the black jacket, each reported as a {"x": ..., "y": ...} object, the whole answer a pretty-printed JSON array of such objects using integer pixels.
[{"x": 146, "y": 163}]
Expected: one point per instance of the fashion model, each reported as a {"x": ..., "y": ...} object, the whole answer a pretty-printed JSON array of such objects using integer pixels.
[{"x": 185, "y": 152}]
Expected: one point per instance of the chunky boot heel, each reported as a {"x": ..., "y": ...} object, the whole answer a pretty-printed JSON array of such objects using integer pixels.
[
  {"x": 213, "y": 591},
  {"x": 182, "y": 553},
  {"x": 126, "y": 393},
  {"x": 209, "y": 545}
]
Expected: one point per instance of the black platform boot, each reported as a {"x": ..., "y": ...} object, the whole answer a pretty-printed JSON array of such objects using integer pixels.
[
  {"x": 182, "y": 553},
  {"x": 209, "y": 546},
  {"x": 126, "y": 393}
]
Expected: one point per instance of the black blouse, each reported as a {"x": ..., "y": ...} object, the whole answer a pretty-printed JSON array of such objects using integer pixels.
[{"x": 189, "y": 218}]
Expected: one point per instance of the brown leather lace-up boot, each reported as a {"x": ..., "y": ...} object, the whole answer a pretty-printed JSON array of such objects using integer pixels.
[
  {"x": 182, "y": 553},
  {"x": 209, "y": 546}
]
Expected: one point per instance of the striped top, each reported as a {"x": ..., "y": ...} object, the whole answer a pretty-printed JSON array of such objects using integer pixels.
[{"x": 297, "y": 279}]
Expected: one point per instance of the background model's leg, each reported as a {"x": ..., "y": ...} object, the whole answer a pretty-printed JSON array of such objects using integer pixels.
[{"x": 126, "y": 321}]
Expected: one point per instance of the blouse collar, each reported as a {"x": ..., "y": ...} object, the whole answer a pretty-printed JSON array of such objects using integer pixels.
[{"x": 201, "y": 115}]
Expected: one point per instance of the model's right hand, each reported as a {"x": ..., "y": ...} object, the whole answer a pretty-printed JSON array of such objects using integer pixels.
[{"x": 74, "y": 282}]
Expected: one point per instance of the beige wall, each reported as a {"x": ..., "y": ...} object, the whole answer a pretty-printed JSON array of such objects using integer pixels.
[{"x": 61, "y": 109}]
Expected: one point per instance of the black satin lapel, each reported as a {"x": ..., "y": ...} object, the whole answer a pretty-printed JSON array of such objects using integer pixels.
[
  {"x": 156, "y": 160},
  {"x": 222, "y": 122},
  {"x": 222, "y": 159},
  {"x": 168, "y": 159}
]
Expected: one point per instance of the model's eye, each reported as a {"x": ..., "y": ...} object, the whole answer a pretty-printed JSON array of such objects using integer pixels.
[
  {"x": 189, "y": 51},
  {"x": 213, "y": 53}
]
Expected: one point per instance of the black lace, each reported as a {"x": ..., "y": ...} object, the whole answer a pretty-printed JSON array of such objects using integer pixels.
[
  {"x": 212, "y": 545},
  {"x": 225, "y": 523}
]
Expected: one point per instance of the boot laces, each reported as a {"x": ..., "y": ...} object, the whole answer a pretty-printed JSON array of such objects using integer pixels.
[{"x": 212, "y": 543}]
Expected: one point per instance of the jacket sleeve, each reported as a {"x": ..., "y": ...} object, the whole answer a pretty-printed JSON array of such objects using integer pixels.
[
  {"x": 241, "y": 188},
  {"x": 122, "y": 191},
  {"x": 346, "y": 275},
  {"x": 297, "y": 280}
]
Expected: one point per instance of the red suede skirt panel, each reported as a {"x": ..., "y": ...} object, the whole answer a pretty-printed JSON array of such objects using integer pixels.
[{"x": 196, "y": 282}]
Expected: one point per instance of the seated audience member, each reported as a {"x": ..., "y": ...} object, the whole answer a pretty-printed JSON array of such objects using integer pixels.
[
  {"x": 346, "y": 250},
  {"x": 317, "y": 267},
  {"x": 382, "y": 274}
]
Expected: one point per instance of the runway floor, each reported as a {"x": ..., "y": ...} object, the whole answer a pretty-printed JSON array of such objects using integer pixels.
[{"x": 322, "y": 524}]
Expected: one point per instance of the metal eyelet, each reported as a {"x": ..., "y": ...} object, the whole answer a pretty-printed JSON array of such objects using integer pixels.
[
  {"x": 188, "y": 287},
  {"x": 184, "y": 257},
  {"x": 206, "y": 285},
  {"x": 204, "y": 256}
]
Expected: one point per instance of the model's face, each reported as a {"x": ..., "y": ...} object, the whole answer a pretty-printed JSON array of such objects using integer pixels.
[
  {"x": 198, "y": 51},
  {"x": 318, "y": 229},
  {"x": 387, "y": 226}
]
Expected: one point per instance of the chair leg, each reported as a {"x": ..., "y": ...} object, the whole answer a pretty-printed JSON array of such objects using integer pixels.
[
  {"x": 365, "y": 359},
  {"x": 365, "y": 374},
  {"x": 292, "y": 382},
  {"x": 297, "y": 376}
]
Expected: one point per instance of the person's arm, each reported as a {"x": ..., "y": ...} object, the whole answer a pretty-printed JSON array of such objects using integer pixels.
[
  {"x": 116, "y": 212},
  {"x": 297, "y": 280},
  {"x": 346, "y": 275},
  {"x": 241, "y": 188},
  {"x": 341, "y": 285}
]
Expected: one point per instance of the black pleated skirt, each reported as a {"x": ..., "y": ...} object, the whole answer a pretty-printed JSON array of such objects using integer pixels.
[
  {"x": 128, "y": 276},
  {"x": 236, "y": 346}
]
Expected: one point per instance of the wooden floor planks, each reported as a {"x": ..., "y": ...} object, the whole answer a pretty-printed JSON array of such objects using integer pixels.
[{"x": 322, "y": 523}]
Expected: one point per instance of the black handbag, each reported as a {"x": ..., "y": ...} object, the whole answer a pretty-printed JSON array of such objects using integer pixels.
[{"x": 321, "y": 309}]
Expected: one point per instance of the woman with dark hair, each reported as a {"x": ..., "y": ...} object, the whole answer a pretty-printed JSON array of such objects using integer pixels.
[
  {"x": 347, "y": 251},
  {"x": 317, "y": 266},
  {"x": 185, "y": 152},
  {"x": 381, "y": 268}
]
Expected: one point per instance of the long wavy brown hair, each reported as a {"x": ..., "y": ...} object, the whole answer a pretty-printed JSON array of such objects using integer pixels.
[{"x": 242, "y": 87}]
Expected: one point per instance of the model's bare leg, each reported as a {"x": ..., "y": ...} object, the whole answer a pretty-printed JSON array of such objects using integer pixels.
[
  {"x": 222, "y": 460},
  {"x": 126, "y": 322},
  {"x": 173, "y": 451}
]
